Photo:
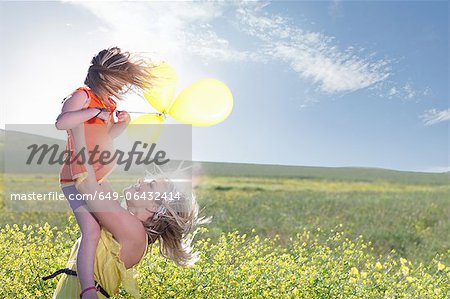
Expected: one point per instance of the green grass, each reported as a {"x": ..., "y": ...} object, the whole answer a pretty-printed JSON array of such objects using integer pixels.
[
  {"x": 307, "y": 238},
  {"x": 410, "y": 219}
]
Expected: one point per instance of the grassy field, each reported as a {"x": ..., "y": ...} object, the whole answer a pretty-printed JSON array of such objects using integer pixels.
[
  {"x": 388, "y": 223},
  {"x": 410, "y": 219}
]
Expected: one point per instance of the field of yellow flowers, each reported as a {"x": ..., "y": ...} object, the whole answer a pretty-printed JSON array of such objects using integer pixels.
[{"x": 269, "y": 238}]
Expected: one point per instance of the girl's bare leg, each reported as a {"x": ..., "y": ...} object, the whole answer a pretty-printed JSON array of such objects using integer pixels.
[{"x": 90, "y": 235}]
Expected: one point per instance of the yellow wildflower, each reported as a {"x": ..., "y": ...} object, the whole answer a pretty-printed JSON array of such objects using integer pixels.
[
  {"x": 354, "y": 271},
  {"x": 379, "y": 266}
]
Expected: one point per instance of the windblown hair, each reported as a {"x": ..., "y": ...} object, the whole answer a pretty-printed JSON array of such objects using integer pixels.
[
  {"x": 113, "y": 72},
  {"x": 174, "y": 220}
]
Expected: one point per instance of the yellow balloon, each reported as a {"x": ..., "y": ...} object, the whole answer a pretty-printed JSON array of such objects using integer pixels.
[
  {"x": 164, "y": 83},
  {"x": 205, "y": 102},
  {"x": 146, "y": 128}
]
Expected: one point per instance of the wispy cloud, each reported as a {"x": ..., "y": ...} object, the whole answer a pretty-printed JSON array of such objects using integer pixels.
[
  {"x": 313, "y": 55},
  {"x": 406, "y": 92},
  {"x": 434, "y": 116},
  {"x": 189, "y": 28},
  {"x": 400, "y": 91},
  {"x": 204, "y": 42},
  {"x": 166, "y": 28}
]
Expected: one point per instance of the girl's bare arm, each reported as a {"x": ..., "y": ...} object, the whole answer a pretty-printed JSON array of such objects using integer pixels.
[{"x": 73, "y": 114}]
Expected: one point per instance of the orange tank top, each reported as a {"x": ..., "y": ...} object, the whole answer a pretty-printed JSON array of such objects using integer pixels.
[{"x": 97, "y": 138}]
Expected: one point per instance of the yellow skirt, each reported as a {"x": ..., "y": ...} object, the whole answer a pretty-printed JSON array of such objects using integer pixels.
[{"x": 109, "y": 271}]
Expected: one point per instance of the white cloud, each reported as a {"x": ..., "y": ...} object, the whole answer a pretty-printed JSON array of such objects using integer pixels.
[
  {"x": 409, "y": 91},
  {"x": 210, "y": 46},
  {"x": 165, "y": 29},
  {"x": 313, "y": 55},
  {"x": 177, "y": 29},
  {"x": 434, "y": 116},
  {"x": 405, "y": 92},
  {"x": 393, "y": 91}
]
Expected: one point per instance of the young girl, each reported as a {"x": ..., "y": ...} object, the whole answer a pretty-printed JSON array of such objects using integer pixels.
[{"x": 87, "y": 117}]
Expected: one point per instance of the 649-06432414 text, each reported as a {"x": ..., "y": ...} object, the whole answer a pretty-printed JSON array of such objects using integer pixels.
[{"x": 51, "y": 196}]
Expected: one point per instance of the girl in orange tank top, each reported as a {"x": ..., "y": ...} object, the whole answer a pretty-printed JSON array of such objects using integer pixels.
[
  {"x": 96, "y": 134},
  {"x": 87, "y": 117}
]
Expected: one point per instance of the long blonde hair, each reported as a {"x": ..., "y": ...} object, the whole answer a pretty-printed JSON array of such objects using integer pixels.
[
  {"x": 113, "y": 72},
  {"x": 171, "y": 224}
]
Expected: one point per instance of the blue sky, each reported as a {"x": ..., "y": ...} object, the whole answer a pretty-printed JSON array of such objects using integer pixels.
[{"x": 340, "y": 83}]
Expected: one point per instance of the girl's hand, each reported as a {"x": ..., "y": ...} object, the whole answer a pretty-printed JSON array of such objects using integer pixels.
[
  {"x": 123, "y": 117},
  {"x": 104, "y": 115}
]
